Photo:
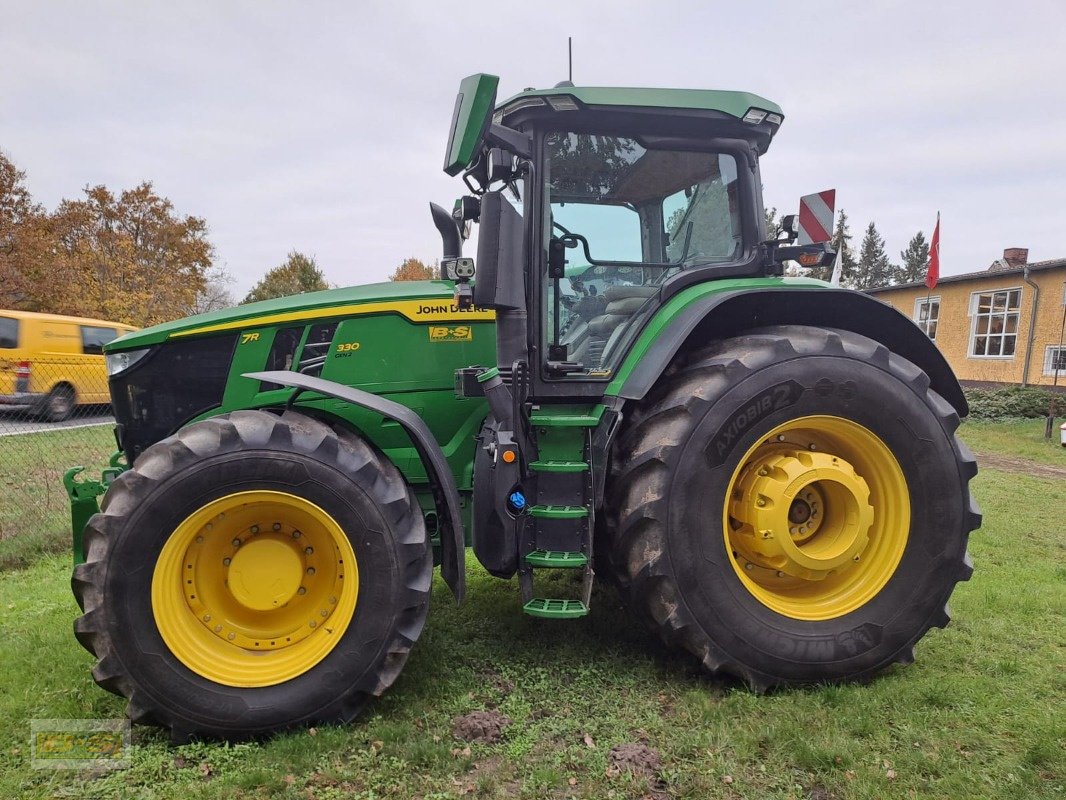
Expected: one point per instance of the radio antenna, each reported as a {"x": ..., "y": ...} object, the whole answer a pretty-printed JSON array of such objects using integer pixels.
[{"x": 570, "y": 57}]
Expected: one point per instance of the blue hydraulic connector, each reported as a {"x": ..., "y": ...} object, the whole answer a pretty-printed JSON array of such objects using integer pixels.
[{"x": 517, "y": 501}]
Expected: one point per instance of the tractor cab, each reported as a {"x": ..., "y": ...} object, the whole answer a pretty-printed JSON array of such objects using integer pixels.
[{"x": 596, "y": 206}]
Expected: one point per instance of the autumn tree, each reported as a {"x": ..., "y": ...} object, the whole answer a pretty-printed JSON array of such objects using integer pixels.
[
  {"x": 413, "y": 270},
  {"x": 298, "y": 274},
  {"x": 24, "y": 244},
  {"x": 914, "y": 260}
]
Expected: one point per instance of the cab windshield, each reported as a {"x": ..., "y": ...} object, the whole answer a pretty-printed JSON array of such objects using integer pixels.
[{"x": 631, "y": 214}]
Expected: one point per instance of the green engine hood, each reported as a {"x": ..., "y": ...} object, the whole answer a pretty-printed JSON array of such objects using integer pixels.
[{"x": 403, "y": 295}]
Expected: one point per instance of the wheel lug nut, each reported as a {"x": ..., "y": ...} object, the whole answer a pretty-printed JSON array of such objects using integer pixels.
[
  {"x": 749, "y": 566},
  {"x": 302, "y": 590},
  {"x": 310, "y": 570},
  {"x": 812, "y": 446},
  {"x": 207, "y": 617},
  {"x": 313, "y": 624},
  {"x": 324, "y": 612},
  {"x": 255, "y": 529},
  {"x": 760, "y": 502},
  {"x": 231, "y": 636},
  {"x": 333, "y": 600},
  {"x": 236, "y": 542},
  {"x": 199, "y": 539},
  {"x": 225, "y": 562},
  {"x": 780, "y": 437},
  {"x": 780, "y": 574},
  {"x": 218, "y": 629},
  {"x": 309, "y": 550},
  {"x": 276, "y": 526},
  {"x": 295, "y": 534}
]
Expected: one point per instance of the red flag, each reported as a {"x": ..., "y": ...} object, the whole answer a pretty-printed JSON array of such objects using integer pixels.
[{"x": 932, "y": 275}]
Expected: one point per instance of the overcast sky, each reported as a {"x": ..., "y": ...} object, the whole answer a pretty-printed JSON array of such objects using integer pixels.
[{"x": 320, "y": 126}]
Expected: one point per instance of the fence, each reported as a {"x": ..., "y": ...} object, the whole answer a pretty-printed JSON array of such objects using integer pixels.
[{"x": 45, "y": 428}]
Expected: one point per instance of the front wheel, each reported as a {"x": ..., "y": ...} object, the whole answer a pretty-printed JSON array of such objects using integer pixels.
[
  {"x": 251, "y": 573},
  {"x": 792, "y": 507}
]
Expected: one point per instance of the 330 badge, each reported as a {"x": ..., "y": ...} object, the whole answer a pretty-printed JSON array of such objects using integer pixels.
[{"x": 451, "y": 333}]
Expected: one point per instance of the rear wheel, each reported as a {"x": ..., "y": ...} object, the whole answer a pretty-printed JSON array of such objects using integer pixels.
[
  {"x": 252, "y": 573},
  {"x": 792, "y": 507},
  {"x": 59, "y": 403}
]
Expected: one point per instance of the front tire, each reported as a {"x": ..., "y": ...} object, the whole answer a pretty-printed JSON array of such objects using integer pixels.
[
  {"x": 791, "y": 506},
  {"x": 252, "y": 573}
]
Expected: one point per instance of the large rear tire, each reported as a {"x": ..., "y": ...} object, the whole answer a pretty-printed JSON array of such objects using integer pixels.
[
  {"x": 251, "y": 573},
  {"x": 791, "y": 506}
]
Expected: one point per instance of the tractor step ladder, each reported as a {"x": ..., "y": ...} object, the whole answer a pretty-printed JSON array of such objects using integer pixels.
[{"x": 560, "y": 524}]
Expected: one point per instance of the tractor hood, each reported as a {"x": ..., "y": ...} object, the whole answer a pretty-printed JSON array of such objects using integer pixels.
[{"x": 401, "y": 296}]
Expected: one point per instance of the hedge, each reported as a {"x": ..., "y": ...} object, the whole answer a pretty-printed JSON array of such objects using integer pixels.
[{"x": 1013, "y": 402}]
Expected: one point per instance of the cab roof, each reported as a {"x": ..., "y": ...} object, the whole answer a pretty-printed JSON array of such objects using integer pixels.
[{"x": 734, "y": 104}]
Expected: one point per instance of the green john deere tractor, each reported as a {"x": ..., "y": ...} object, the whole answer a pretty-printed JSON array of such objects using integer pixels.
[{"x": 765, "y": 466}]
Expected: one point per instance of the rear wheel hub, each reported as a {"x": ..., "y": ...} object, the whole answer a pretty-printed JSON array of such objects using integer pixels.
[{"x": 817, "y": 517}]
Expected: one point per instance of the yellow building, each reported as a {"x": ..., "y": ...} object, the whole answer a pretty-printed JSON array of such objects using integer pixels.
[{"x": 1003, "y": 325}]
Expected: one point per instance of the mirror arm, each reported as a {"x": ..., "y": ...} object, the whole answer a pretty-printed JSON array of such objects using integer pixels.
[{"x": 521, "y": 144}]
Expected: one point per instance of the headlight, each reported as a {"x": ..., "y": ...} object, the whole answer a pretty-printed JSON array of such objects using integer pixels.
[{"x": 123, "y": 360}]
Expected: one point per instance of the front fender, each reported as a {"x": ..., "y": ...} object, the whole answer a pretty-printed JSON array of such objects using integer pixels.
[
  {"x": 702, "y": 315},
  {"x": 445, "y": 494}
]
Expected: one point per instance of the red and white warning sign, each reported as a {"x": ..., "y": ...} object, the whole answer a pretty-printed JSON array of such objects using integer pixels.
[{"x": 816, "y": 217}]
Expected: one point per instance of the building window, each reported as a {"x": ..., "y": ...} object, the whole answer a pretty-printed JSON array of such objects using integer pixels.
[
  {"x": 995, "y": 323},
  {"x": 927, "y": 314},
  {"x": 1055, "y": 361}
]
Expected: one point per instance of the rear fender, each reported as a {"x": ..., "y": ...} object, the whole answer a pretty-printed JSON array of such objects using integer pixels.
[
  {"x": 723, "y": 314},
  {"x": 442, "y": 483}
]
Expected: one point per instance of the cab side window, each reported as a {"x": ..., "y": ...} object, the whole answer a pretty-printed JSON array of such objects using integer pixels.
[{"x": 93, "y": 339}]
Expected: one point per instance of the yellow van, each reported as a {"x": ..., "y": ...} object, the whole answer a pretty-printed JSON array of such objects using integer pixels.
[{"x": 49, "y": 363}]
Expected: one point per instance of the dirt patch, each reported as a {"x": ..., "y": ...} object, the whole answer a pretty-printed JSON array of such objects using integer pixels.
[
  {"x": 819, "y": 792},
  {"x": 636, "y": 758},
  {"x": 480, "y": 726},
  {"x": 1020, "y": 466}
]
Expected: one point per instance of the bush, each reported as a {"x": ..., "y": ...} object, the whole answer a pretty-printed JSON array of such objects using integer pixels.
[{"x": 1012, "y": 402}]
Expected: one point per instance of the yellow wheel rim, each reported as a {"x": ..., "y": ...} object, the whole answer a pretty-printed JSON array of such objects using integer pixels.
[
  {"x": 255, "y": 588},
  {"x": 817, "y": 517}
]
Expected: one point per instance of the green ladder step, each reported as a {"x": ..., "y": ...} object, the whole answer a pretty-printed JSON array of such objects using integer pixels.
[
  {"x": 558, "y": 512},
  {"x": 555, "y": 609},
  {"x": 557, "y": 559},
  {"x": 558, "y": 466},
  {"x": 565, "y": 420}
]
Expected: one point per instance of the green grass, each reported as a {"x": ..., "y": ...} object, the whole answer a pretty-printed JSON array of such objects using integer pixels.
[
  {"x": 978, "y": 715},
  {"x": 1018, "y": 438},
  {"x": 34, "y": 509}
]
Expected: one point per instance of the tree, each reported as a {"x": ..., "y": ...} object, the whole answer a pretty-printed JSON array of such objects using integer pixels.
[
  {"x": 298, "y": 274},
  {"x": 137, "y": 260},
  {"x": 874, "y": 269},
  {"x": 413, "y": 270},
  {"x": 215, "y": 295},
  {"x": 773, "y": 224},
  {"x": 23, "y": 243},
  {"x": 126, "y": 257},
  {"x": 915, "y": 260},
  {"x": 841, "y": 239}
]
